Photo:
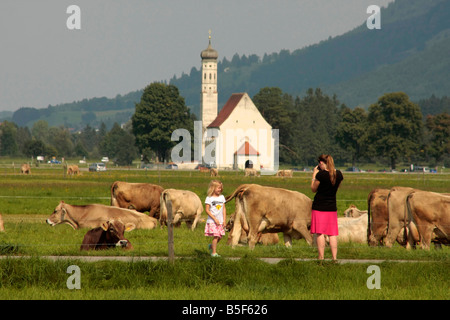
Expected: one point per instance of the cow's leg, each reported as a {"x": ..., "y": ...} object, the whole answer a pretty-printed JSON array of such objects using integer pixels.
[
  {"x": 177, "y": 218},
  {"x": 287, "y": 240},
  {"x": 197, "y": 218},
  {"x": 393, "y": 231},
  {"x": 426, "y": 233},
  {"x": 304, "y": 232}
]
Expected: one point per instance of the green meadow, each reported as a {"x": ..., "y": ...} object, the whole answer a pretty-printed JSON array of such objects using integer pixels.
[{"x": 27, "y": 200}]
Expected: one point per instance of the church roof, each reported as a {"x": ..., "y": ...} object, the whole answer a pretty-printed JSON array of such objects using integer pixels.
[
  {"x": 226, "y": 110},
  {"x": 247, "y": 150},
  {"x": 209, "y": 53}
]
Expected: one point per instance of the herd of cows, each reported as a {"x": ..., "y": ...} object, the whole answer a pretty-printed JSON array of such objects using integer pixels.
[{"x": 409, "y": 216}]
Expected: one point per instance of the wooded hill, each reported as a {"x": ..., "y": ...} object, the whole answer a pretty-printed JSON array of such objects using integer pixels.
[{"x": 410, "y": 53}]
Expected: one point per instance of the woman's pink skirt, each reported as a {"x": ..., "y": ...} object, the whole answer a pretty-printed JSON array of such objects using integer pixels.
[
  {"x": 324, "y": 222},
  {"x": 214, "y": 230}
]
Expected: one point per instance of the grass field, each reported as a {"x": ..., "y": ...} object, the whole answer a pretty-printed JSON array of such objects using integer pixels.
[{"x": 26, "y": 201}]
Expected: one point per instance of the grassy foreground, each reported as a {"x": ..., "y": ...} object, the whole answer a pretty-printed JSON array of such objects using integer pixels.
[
  {"x": 26, "y": 201},
  {"x": 203, "y": 278}
]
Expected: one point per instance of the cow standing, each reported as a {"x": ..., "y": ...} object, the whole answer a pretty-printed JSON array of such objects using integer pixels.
[
  {"x": 429, "y": 213},
  {"x": 141, "y": 197},
  {"x": 25, "y": 168},
  {"x": 109, "y": 235},
  {"x": 263, "y": 238},
  {"x": 186, "y": 206},
  {"x": 94, "y": 215},
  {"x": 271, "y": 210},
  {"x": 72, "y": 170},
  {"x": 377, "y": 216}
]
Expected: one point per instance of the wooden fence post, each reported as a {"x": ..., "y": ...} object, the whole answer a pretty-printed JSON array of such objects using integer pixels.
[{"x": 170, "y": 231}]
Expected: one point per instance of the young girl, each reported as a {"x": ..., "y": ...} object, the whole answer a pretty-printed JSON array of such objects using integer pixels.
[{"x": 215, "y": 208}]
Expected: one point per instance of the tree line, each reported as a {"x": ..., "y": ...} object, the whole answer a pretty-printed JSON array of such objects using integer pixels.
[{"x": 391, "y": 131}]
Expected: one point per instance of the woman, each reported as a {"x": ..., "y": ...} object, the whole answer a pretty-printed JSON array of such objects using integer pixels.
[{"x": 325, "y": 183}]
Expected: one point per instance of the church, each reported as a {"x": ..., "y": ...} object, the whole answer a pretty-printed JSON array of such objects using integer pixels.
[{"x": 238, "y": 136}]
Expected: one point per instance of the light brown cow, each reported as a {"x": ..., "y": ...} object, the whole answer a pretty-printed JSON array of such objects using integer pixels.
[
  {"x": 353, "y": 229},
  {"x": 429, "y": 212},
  {"x": 25, "y": 168},
  {"x": 2, "y": 227},
  {"x": 186, "y": 206},
  {"x": 398, "y": 217},
  {"x": 284, "y": 173},
  {"x": 354, "y": 212},
  {"x": 263, "y": 238},
  {"x": 141, "y": 197},
  {"x": 73, "y": 169},
  {"x": 250, "y": 172},
  {"x": 271, "y": 210},
  {"x": 93, "y": 215},
  {"x": 214, "y": 172}
]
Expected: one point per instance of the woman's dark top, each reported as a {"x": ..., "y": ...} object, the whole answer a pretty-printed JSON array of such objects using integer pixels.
[{"x": 325, "y": 198}]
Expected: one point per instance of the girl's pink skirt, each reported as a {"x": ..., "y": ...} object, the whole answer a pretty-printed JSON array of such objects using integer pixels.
[
  {"x": 324, "y": 222},
  {"x": 214, "y": 230}
]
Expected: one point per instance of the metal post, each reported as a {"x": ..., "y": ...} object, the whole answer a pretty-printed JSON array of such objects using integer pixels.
[{"x": 170, "y": 231}]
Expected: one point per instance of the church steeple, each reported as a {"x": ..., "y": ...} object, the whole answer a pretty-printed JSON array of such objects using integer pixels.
[{"x": 209, "y": 95}]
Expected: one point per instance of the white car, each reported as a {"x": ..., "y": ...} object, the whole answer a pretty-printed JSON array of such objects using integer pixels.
[{"x": 99, "y": 166}]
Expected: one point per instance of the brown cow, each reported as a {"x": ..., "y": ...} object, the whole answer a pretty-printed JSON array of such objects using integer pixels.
[
  {"x": 25, "y": 168},
  {"x": 141, "y": 197},
  {"x": 263, "y": 238},
  {"x": 186, "y": 206},
  {"x": 271, "y": 210},
  {"x": 429, "y": 212},
  {"x": 93, "y": 215},
  {"x": 109, "y": 235},
  {"x": 378, "y": 216}
]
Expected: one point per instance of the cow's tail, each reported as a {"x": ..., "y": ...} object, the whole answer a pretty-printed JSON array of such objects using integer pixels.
[
  {"x": 238, "y": 192},
  {"x": 369, "y": 201},
  {"x": 163, "y": 208},
  {"x": 114, "y": 188}
]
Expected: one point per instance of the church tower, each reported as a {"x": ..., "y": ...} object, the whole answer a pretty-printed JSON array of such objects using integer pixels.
[{"x": 209, "y": 96}]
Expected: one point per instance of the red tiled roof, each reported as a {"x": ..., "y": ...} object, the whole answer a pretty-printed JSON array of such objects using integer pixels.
[
  {"x": 247, "y": 150},
  {"x": 226, "y": 110}
]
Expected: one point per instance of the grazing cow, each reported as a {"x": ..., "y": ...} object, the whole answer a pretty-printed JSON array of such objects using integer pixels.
[
  {"x": 94, "y": 215},
  {"x": 2, "y": 227},
  {"x": 141, "y": 197},
  {"x": 354, "y": 212},
  {"x": 284, "y": 173},
  {"x": 429, "y": 212},
  {"x": 109, "y": 235},
  {"x": 398, "y": 217},
  {"x": 378, "y": 216},
  {"x": 271, "y": 210},
  {"x": 25, "y": 168},
  {"x": 263, "y": 238},
  {"x": 73, "y": 169},
  {"x": 250, "y": 172},
  {"x": 186, "y": 206},
  {"x": 214, "y": 172}
]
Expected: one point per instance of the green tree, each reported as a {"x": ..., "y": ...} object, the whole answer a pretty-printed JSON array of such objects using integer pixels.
[
  {"x": 160, "y": 111},
  {"x": 350, "y": 131},
  {"x": 439, "y": 130},
  {"x": 8, "y": 133},
  {"x": 277, "y": 109},
  {"x": 394, "y": 127},
  {"x": 119, "y": 145}
]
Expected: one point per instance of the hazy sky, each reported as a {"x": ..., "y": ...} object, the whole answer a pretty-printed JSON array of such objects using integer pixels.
[{"x": 124, "y": 45}]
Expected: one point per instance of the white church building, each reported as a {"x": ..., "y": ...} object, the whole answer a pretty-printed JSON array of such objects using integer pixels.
[{"x": 238, "y": 136}]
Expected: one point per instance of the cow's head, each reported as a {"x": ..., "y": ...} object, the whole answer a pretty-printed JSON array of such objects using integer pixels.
[
  {"x": 115, "y": 232},
  {"x": 59, "y": 215}
]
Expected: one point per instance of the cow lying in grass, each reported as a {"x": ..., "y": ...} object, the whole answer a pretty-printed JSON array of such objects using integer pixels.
[{"x": 109, "y": 235}]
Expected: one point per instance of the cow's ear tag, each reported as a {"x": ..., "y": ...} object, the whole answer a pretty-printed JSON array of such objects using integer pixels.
[
  {"x": 105, "y": 226},
  {"x": 130, "y": 226}
]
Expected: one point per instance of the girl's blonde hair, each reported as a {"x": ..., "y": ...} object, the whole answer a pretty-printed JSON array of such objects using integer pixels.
[
  {"x": 328, "y": 159},
  {"x": 212, "y": 186}
]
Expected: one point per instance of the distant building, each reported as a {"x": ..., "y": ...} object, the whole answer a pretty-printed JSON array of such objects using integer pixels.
[{"x": 238, "y": 136}]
